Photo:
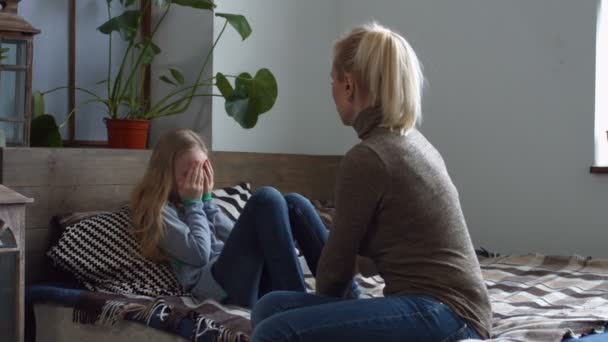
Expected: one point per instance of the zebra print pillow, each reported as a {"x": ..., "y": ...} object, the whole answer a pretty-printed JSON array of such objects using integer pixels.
[
  {"x": 98, "y": 249},
  {"x": 232, "y": 199},
  {"x": 103, "y": 255}
]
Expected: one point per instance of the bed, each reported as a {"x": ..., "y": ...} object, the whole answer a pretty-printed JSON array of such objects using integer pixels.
[{"x": 534, "y": 297}]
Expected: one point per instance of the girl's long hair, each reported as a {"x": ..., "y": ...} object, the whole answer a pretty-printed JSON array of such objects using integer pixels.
[{"x": 155, "y": 188}]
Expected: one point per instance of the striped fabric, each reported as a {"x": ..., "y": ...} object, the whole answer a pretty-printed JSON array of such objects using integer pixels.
[
  {"x": 232, "y": 199},
  {"x": 535, "y": 298},
  {"x": 546, "y": 298}
]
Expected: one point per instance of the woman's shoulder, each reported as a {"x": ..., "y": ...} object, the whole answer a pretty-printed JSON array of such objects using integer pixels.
[
  {"x": 363, "y": 158},
  {"x": 362, "y": 153}
]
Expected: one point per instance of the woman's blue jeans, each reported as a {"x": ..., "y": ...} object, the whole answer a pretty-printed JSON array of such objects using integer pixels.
[{"x": 295, "y": 316}]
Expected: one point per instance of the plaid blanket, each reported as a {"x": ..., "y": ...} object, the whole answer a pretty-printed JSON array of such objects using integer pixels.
[
  {"x": 184, "y": 316},
  {"x": 205, "y": 321},
  {"x": 534, "y": 298},
  {"x": 546, "y": 298}
]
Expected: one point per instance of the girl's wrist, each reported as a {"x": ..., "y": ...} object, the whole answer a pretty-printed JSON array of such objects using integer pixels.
[
  {"x": 207, "y": 197},
  {"x": 191, "y": 201}
]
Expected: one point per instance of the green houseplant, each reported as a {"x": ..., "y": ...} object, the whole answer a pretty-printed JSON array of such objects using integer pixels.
[{"x": 124, "y": 102}]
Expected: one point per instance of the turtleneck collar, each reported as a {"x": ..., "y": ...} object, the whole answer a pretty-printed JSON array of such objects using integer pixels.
[{"x": 367, "y": 121}]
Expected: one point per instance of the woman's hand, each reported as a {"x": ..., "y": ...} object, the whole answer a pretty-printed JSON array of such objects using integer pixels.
[
  {"x": 208, "y": 174},
  {"x": 194, "y": 186}
]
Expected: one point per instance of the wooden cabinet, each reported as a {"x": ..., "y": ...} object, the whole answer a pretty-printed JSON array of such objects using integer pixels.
[{"x": 12, "y": 264}]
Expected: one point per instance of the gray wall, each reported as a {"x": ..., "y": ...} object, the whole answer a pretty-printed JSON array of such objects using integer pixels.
[{"x": 510, "y": 105}]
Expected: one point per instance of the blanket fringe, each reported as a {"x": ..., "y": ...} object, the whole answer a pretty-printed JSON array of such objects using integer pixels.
[
  {"x": 113, "y": 311},
  {"x": 116, "y": 310},
  {"x": 148, "y": 311},
  {"x": 84, "y": 317},
  {"x": 205, "y": 325}
]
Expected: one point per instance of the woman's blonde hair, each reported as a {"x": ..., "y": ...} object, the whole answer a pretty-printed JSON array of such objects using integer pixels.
[
  {"x": 385, "y": 65},
  {"x": 155, "y": 188}
]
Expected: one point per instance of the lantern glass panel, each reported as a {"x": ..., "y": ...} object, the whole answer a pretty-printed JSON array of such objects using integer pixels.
[
  {"x": 12, "y": 94},
  {"x": 16, "y": 54}
]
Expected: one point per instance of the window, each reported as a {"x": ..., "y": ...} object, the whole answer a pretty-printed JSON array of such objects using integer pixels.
[{"x": 601, "y": 87}]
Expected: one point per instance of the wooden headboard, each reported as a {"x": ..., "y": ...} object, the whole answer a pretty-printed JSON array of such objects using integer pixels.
[{"x": 74, "y": 179}]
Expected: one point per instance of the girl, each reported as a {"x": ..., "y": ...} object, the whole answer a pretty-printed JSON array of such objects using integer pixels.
[
  {"x": 175, "y": 219},
  {"x": 396, "y": 205}
]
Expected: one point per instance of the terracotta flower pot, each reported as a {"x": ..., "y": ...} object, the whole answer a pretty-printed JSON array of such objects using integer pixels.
[{"x": 130, "y": 134}]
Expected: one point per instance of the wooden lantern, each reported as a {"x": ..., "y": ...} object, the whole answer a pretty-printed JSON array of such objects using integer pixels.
[
  {"x": 16, "y": 44},
  {"x": 12, "y": 264}
]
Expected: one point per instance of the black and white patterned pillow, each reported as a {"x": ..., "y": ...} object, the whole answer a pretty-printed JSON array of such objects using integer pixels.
[
  {"x": 232, "y": 199},
  {"x": 102, "y": 254}
]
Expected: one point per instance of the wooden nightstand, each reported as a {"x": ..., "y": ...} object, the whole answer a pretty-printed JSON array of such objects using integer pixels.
[{"x": 12, "y": 264}]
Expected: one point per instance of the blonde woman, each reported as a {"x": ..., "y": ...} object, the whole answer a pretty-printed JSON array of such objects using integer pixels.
[
  {"x": 176, "y": 220},
  {"x": 395, "y": 205}
]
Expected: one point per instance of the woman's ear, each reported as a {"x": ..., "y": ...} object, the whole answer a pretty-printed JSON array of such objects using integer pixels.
[
  {"x": 348, "y": 81},
  {"x": 349, "y": 86}
]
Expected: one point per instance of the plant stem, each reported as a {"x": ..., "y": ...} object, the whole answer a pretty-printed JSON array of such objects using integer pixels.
[
  {"x": 140, "y": 94},
  {"x": 76, "y": 88},
  {"x": 109, "y": 53},
  {"x": 200, "y": 74},
  {"x": 133, "y": 90},
  {"x": 75, "y": 108},
  {"x": 168, "y": 106},
  {"x": 117, "y": 85},
  {"x": 181, "y": 110},
  {"x": 135, "y": 68},
  {"x": 53, "y": 90},
  {"x": 175, "y": 92}
]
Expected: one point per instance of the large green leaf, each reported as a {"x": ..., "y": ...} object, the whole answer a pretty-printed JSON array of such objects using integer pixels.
[
  {"x": 238, "y": 106},
  {"x": 45, "y": 132},
  {"x": 251, "y": 97},
  {"x": 178, "y": 104},
  {"x": 167, "y": 80},
  {"x": 149, "y": 50},
  {"x": 223, "y": 85},
  {"x": 127, "y": 24},
  {"x": 201, "y": 4},
  {"x": 177, "y": 76},
  {"x": 243, "y": 82},
  {"x": 239, "y": 22},
  {"x": 38, "y": 99},
  {"x": 266, "y": 90}
]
